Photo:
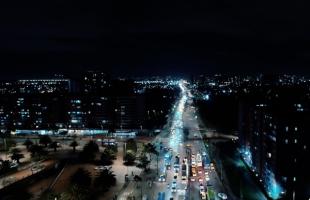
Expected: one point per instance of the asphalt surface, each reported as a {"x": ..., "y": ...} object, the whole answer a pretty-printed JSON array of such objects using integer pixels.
[{"x": 172, "y": 141}]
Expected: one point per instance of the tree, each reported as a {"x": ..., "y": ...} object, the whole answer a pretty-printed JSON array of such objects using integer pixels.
[
  {"x": 16, "y": 154},
  {"x": 129, "y": 158},
  {"x": 28, "y": 143},
  {"x": 4, "y": 166},
  {"x": 112, "y": 148},
  {"x": 81, "y": 178},
  {"x": 54, "y": 145},
  {"x": 105, "y": 180},
  {"x": 106, "y": 157},
  {"x": 18, "y": 194},
  {"x": 75, "y": 193},
  {"x": 74, "y": 144},
  {"x": 150, "y": 149},
  {"x": 89, "y": 151},
  {"x": 49, "y": 195},
  {"x": 38, "y": 151},
  {"x": 131, "y": 144},
  {"x": 45, "y": 140},
  {"x": 143, "y": 162}
]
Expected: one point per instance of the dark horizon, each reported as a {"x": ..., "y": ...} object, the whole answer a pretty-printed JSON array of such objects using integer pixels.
[{"x": 153, "y": 39}]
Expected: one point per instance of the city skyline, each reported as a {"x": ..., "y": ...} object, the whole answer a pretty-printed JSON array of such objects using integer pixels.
[{"x": 154, "y": 100}]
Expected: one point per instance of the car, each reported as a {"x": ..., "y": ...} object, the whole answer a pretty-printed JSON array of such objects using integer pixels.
[
  {"x": 222, "y": 196},
  {"x": 204, "y": 153},
  {"x": 174, "y": 186},
  {"x": 175, "y": 177},
  {"x": 168, "y": 185},
  {"x": 199, "y": 171},
  {"x": 201, "y": 190},
  {"x": 200, "y": 180},
  {"x": 201, "y": 186},
  {"x": 207, "y": 178},
  {"x": 203, "y": 195},
  {"x": 13, "y": 165},
  {"x": 162, "y": 178},
  {"x": 193, "y": 179},
  {"x": 176, "y": 173},
  {"x": 99, "y": 168}
]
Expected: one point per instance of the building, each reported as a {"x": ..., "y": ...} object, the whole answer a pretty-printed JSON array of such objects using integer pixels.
[
  {"x": 274, "y": 127},
  {"x": 129, "y": 111},
  {"x": 99, "y": 112},
  {"x": 76, "y": 113},
  {"x": 43, "y": 86},
  {"x": 95, "y": 82}
]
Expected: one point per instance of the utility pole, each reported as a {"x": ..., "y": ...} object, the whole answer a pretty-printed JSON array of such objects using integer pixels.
[
  {"x": 157, "y": 163},
  {"x": 241, "y": 192}
]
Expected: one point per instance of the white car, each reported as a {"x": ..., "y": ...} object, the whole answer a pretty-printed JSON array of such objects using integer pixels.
[
  {"x": 161, "y": 178},
  {"x": 201, "y": 190},
  {"x": 222, "y": 196},
  {"x": 99, "y": 168},
  {"x": 174, "y": 186},
  {"x": 203, "y": 195}
]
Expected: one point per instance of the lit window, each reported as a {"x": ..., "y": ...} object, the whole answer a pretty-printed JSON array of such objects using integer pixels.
[
  {"x": 295, "y": 141},
  {"x": 294, "y": 179},
  {"x": 269, "y": 155},
  {"x": 286, "y": 141},
  {"x": 296, "y": 128},
  {"x": 286, "y": 129}
]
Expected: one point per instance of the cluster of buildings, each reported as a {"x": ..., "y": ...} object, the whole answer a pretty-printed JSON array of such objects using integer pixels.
[
  {"x": 95, "y": 101},
  {"x": 273, "y": 126},
  {"x": 220, "y": 84}
]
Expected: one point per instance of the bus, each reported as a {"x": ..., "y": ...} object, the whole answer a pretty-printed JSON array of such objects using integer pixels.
[
  {"x": 161, "y": 196},
  {"x": 199, "y": 160},
  {"x": 206, "y": 162},
  {"x": 162, "y": 175},
  {"x": 176, "y": 163},
  {"x": 184, "y": 172}
]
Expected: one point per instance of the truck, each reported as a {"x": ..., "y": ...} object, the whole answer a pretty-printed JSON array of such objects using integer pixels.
[
  {"x": 206, "y": 162},
  {"x": 167, "y": 159},
  {"x": 199, "y": 160},
  {"x": 184, "y": 172}
]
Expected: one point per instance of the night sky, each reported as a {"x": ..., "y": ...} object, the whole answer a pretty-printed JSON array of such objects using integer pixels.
[{"x": 153, "y": 37}]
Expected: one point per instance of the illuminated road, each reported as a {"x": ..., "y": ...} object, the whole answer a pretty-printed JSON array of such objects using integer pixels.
[
  {"x": 183, "y": 116},
  {"x": 171, "y": 142},
  {"x": 21, "y": 174}
]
